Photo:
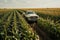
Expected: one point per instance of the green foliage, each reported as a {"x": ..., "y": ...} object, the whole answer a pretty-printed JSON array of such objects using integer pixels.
[
  {"x": 51, "y": 29},
  {"x": 47, "y": 16}
]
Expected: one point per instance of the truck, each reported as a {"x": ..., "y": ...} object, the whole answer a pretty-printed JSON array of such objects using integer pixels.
[{"x": 31, "y": 15}]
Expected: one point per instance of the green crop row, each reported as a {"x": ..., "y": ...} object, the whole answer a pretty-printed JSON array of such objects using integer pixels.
[
  {"x": 50, "y": 28},
  {"x": 3, "y": 24},
  {"x": 51, "y": 17}
]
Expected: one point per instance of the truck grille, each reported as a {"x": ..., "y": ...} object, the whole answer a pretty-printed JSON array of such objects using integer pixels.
[{"x": 33, "y": 17}]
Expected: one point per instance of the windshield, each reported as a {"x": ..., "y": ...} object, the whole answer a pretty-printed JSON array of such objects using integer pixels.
[{"x": 29, "y": 12}]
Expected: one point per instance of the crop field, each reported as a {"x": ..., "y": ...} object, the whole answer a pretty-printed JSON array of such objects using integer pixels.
[{"x": 13, "y": 25}]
